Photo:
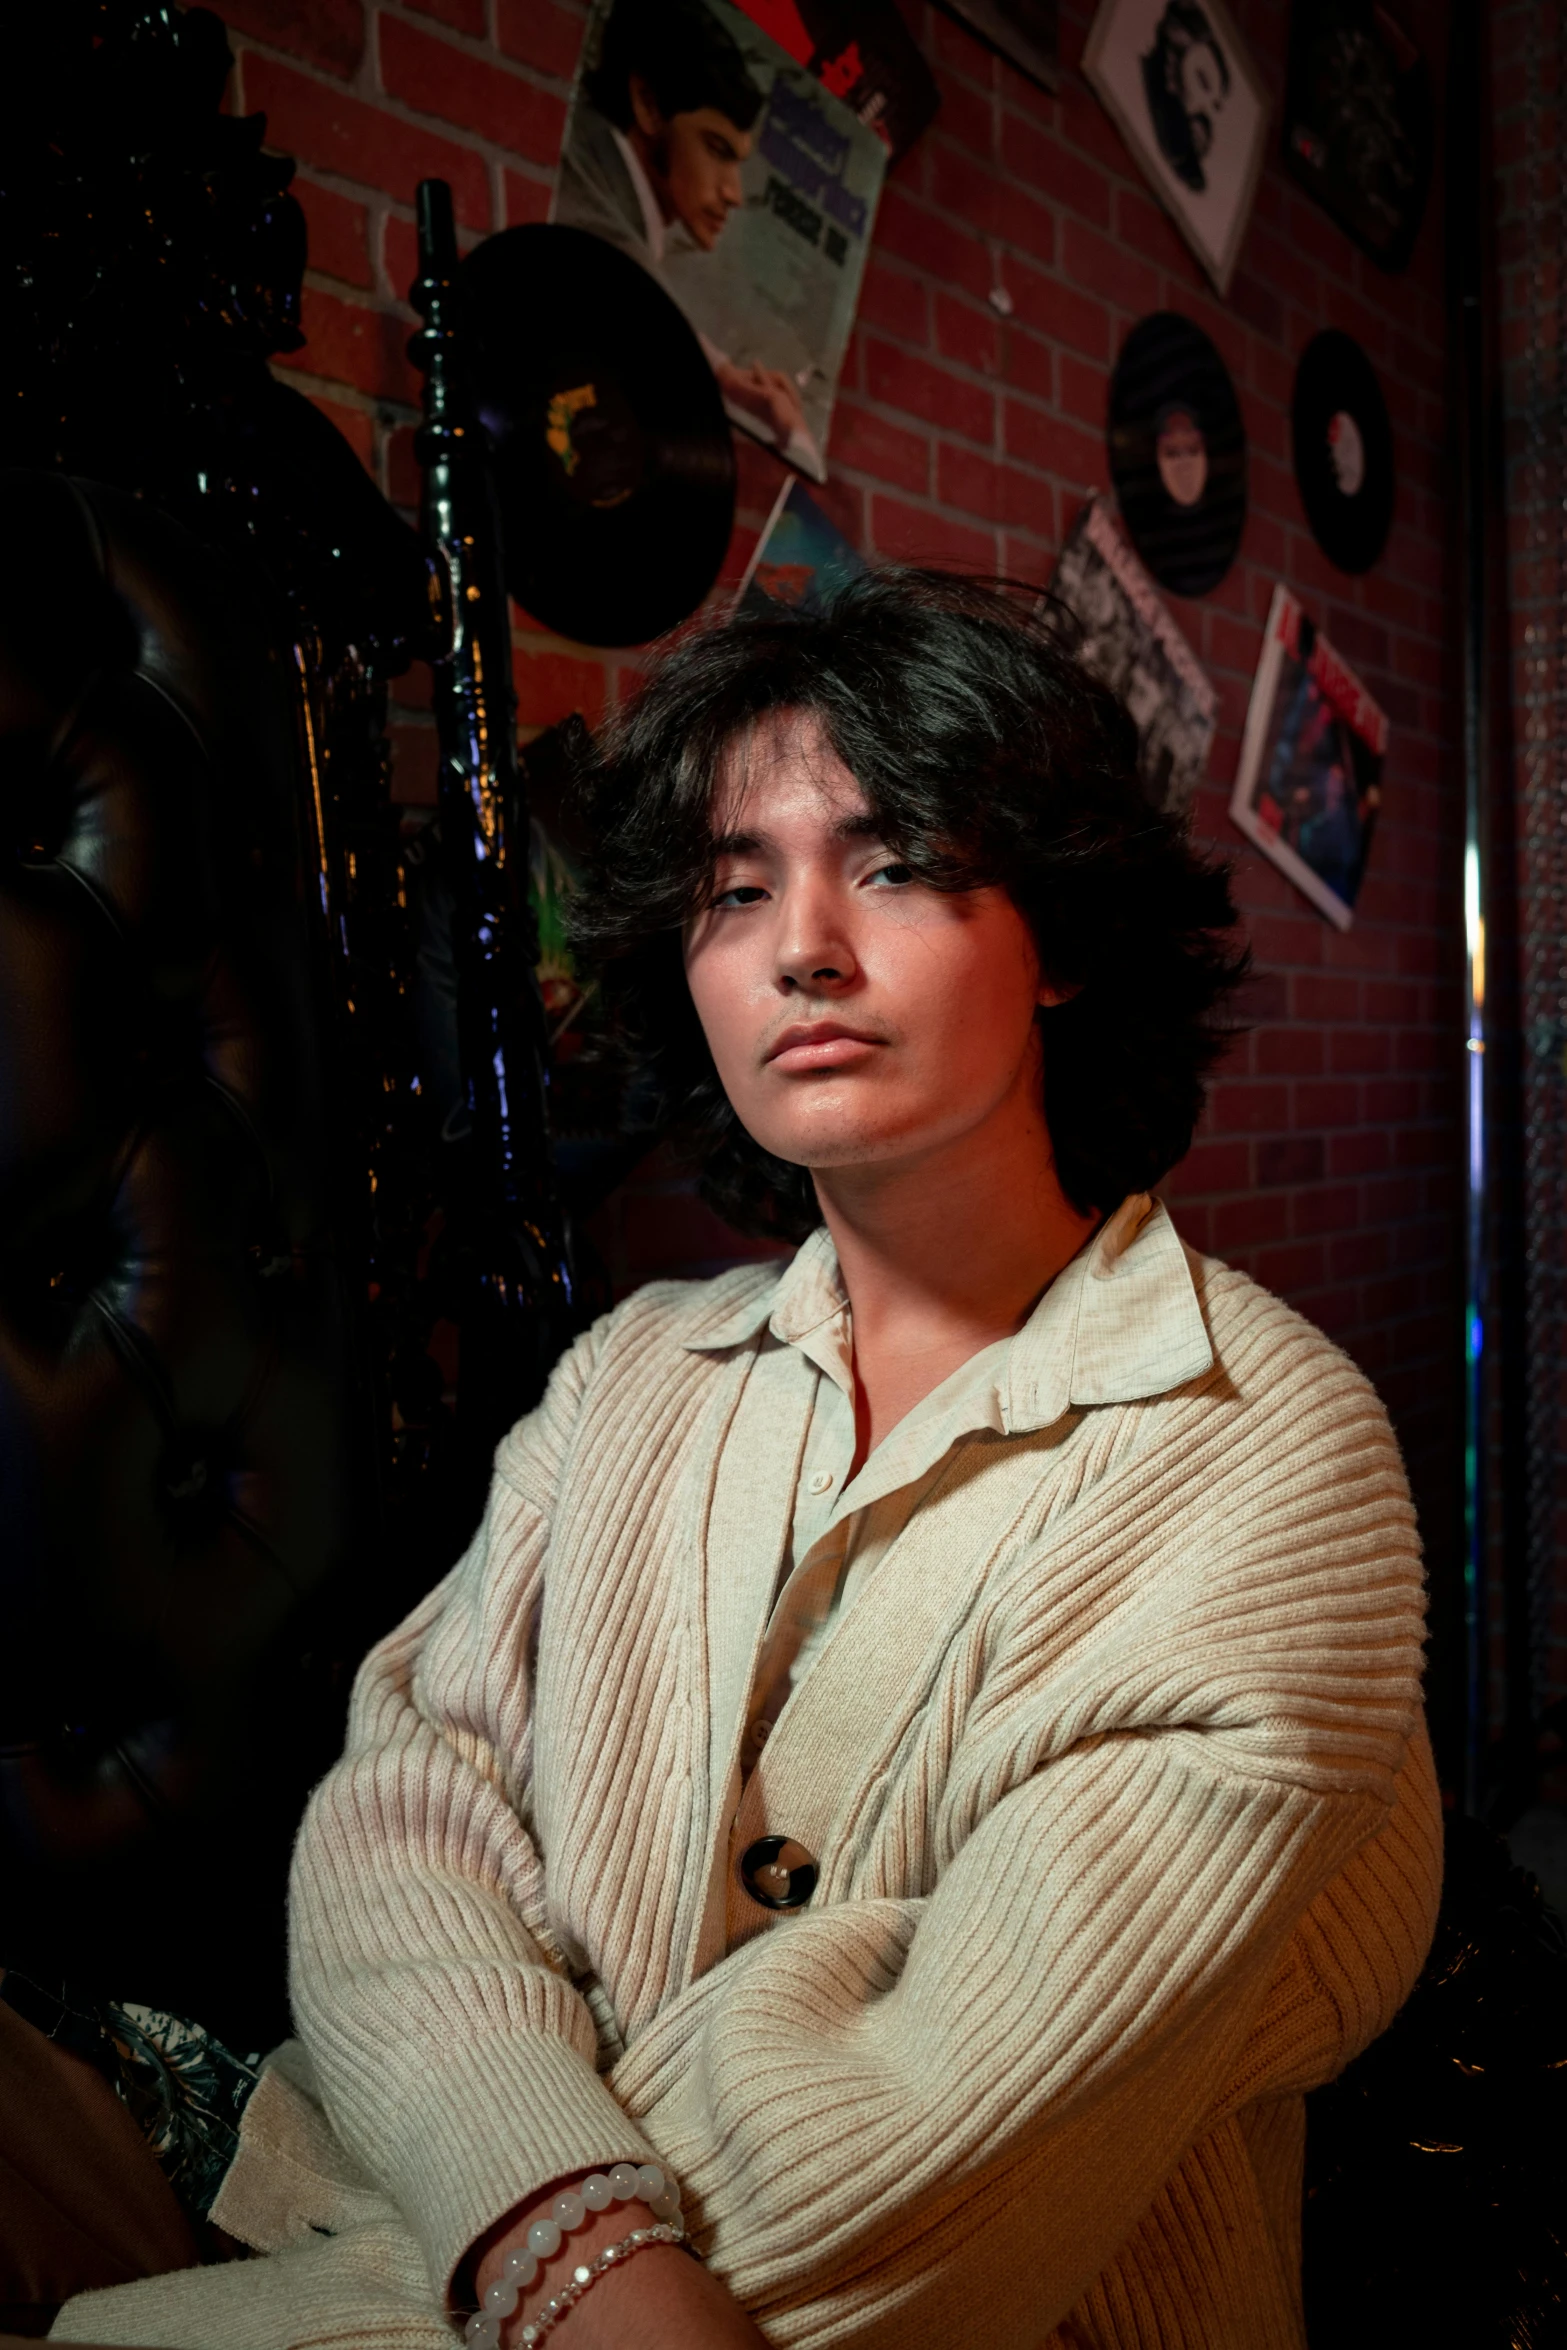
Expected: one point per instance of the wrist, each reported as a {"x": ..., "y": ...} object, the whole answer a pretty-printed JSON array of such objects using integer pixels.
[{"x": 540, "y": 2252}]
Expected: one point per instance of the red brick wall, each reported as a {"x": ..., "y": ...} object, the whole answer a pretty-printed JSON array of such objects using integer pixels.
[{"x": 1329, "y": 1161}]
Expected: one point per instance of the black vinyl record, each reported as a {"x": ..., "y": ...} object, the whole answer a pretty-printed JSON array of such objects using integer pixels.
[
  {"x": 1178, "y": 453},
  {"x": 613, "y": 459},
  {"x": 1343, "y": 451}
]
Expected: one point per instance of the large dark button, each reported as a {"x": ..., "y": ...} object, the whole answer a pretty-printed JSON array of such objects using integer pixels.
[{"x": 778, "y": 1873}]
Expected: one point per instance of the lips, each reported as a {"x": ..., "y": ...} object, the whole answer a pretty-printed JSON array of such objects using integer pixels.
[{"x": 820, "y": 1044}]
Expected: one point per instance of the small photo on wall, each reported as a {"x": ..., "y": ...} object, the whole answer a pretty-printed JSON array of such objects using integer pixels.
[
  {"x": 1179, "y": 84},
  {"x": 1309, "y": 784}
]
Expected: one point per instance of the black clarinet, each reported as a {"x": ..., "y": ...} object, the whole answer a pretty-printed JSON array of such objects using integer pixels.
[{"x": 505, "y": 1263}]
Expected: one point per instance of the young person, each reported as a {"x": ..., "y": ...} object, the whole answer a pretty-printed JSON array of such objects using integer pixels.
[{"x": 924, "y": 1753}]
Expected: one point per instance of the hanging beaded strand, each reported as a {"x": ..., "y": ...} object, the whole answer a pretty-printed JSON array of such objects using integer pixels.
[{"x": 625, "y": 2183}]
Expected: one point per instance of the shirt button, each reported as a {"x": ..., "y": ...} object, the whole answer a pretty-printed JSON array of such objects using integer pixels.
[
  {"x": 821, "y": 1479},
  {"x": 778, "y": 1873}
]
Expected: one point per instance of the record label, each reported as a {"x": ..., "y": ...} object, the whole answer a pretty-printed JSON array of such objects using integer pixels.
[
  {"x": 1178, "y": 453},
  {"x": 613, "y": 460},
  {"x": 1343, "y": 451}
]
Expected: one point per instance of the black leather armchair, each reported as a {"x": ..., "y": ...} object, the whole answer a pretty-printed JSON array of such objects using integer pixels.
[{"x": 181, "y": 1473}]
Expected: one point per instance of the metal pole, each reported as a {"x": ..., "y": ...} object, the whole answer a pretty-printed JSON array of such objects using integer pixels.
[{"x": 1466, "y": 215}]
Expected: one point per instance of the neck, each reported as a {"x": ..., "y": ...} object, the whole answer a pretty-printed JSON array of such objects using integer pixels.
[{"x": 942, "y": 1257}]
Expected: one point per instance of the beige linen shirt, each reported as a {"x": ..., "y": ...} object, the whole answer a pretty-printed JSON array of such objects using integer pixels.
[{"x": 844, "y": 1526}]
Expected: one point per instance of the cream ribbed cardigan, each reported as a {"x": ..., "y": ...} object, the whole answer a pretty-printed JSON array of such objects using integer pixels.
[{"x": 1116, "y": 1776}]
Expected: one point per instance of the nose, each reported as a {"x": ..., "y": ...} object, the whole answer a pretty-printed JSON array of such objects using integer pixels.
[{"x": 814, "y": 953}]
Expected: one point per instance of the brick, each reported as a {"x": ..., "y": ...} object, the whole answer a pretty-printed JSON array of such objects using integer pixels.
[
  {"x": 342, "y": 134},
  {"x": 896, "y": 300},
  {"x": 871, "y": 444},
  {"x": 463, "y": 16},
  {"x": 355, "y": 344},
  {"x": 968, "y": 335},
  {"x": 1288, "y": 1052},
  {"x": 1213, "y": 1166},
  {"x": 338, "y": 233},
  {"x": 1084, "y": 391},
  {"x": 1055, "y": 446},
  {"x": 551, "y": 685},
  {"x": 1242, "y": 1108},
  {"x": 994, "y": 493},
  {"x": 435, "y": 76},
  {"x": 527, "y": 198},
  {"x": 1028, "y": 365},
  {"x": 909, "y": 534},
  {"x": 1107, "y": 270},
  {"x": 968, "y": 117},
  {"x": 938, "y": 247},
  {"x": 1067, "y": 178},
  {"x": 1290, "y": 1268},
  {"x": 899, "y": 380},
  {"x": 537, "y": 33},
  {"x": 328, "y": 33},
  {"x": 1048, "y": 306}
]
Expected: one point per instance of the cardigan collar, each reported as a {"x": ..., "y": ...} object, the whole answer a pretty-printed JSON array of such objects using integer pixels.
[{"x": 1119, "y": 1323}]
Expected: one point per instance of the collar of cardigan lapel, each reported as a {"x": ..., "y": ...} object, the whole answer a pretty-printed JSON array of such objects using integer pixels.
[{"x": 750, "y": 1516}]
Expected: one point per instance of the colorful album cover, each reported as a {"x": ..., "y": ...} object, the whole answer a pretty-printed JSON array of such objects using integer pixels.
[
  {"x": 701, "y": 148},
  {"x": 799, "y": 558},
  {"x": 1310, "y": 777},
  {"x": 863, "y": 52},
  {"x": 1358, "y": 127},
  {"x": 1129, "y": 640}
]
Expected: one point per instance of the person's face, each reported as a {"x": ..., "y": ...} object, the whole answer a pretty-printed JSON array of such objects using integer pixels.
[
  {"x": 693, "y": 161},
  {"x": 854, "y": 1015},
  {"x": 1201, "y": 92}
]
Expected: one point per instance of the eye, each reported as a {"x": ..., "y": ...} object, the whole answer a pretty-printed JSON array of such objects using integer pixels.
[
  {"x": 894, "y": 876},
  {"x": 743, "y": 893}
]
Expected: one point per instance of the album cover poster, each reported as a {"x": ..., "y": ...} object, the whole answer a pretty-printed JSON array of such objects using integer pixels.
[
  {"x": 1024, "y": 32},
  {"x": 863, "y": 52},
  {"x": 753, "y": 207},
  {"x": 799, "y": 558},
  {"x": 1130, "y": 641},
  {"x": 1358, "y": 122},
  {"x": 1179, "y": 84},
  {"x": 1309, "y": 782}
]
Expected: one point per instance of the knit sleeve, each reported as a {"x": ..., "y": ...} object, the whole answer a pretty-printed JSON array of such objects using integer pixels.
[
  {"x": 455, "y": 2058},
  {"x": 1005, "y": 2069}
]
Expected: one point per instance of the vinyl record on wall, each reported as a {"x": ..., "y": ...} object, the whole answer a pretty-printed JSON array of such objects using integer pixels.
[
  {"x": 613, "y": 460},
  {"x": 1178, "y": 453},
  {"x": 1343, "y": 451}
]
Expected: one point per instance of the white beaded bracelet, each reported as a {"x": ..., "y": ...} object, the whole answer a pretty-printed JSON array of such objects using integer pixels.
[{"x": 626, "y": 2183}]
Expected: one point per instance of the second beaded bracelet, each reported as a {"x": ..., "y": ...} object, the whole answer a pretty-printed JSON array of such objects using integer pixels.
[{"x": 627, "y": 2182}]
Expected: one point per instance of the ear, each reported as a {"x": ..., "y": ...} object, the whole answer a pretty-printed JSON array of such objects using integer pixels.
[
  {"x": 1050, "y": 995},
  {"x": 645, "y": 110}
]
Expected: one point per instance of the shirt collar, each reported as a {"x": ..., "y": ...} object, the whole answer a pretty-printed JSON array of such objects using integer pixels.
[
  {"x": 652, "y": 218},
  {"x": 1121, "y": 1322}
]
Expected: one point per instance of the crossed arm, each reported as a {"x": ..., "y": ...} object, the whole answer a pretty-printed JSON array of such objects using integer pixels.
[{"x": 851, "y": 2105}]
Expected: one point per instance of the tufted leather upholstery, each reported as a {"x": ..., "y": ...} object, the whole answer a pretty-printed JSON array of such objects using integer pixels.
[{"x": 176, "y": 1380}]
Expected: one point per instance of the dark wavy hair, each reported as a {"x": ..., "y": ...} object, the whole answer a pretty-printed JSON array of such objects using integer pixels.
[
  {"x": 989, "y": 756},
  {"x": 687, "y": 58}
]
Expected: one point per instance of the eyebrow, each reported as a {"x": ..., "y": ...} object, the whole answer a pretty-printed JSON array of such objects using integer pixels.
[{"x": 756, "y": 844}]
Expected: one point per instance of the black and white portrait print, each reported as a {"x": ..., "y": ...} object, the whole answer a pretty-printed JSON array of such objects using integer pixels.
[{"x": 1180, "y": 86}]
